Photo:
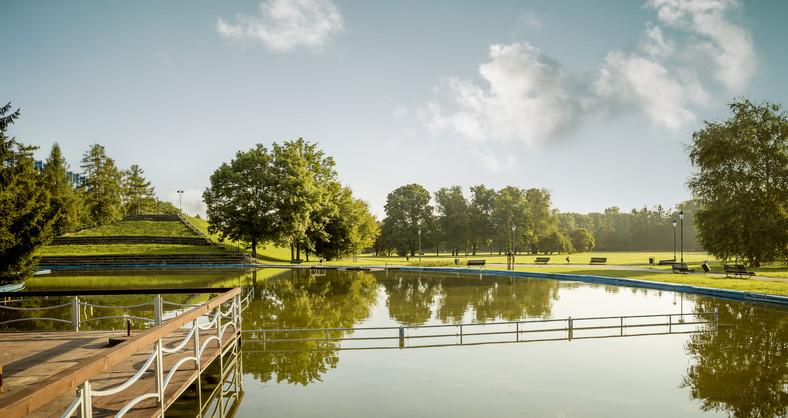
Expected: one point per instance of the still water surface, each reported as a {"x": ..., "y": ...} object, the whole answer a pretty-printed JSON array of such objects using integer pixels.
[{"x": 738, "y": 369}]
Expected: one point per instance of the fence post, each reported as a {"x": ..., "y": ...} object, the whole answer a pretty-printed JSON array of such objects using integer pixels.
[
  {"x": 569, "y": 323},
  {"x": 198, "y": 361},
  {"x": 159, "y": 377},
  {"x": 75, "y": 312},
  {"x": 157, "y": 314},
  {"x": 86, "y": 403}
]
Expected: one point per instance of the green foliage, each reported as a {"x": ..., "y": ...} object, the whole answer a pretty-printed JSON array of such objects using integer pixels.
[
  {"x": 137, "y": 193},
  {"x": 25, "y": 224},
  {"x": 242, "y": 197},
  {"x": 556, "y": 242},
  {"x": 480, "y": 222},
  {"x": 102, "y": 190},
  {"x": 453, "y": 218},
  {"x": 407, "y": 213},
  {"x": 64, "y": 202},
  {"x": 741, "y": 183},
  {"x": 582, "y": 240}
]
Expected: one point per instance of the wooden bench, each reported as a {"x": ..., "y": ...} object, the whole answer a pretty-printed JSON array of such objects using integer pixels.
[
  {"x": 666, "y": 262},
  {"x": 681, "y": 268},
  {"x": 476, "y": 262},
  {"x": 737, "y": 270},
  {"x": 296, "y": 261},
  {"x": 598, "y": 260},
  {"x": 543, "y": 260}
]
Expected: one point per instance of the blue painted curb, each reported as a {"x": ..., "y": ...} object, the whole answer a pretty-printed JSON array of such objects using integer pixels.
[{"x": 614, "y": 281}]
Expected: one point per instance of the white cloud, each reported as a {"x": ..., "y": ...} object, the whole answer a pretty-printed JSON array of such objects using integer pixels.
[
  {"x": 524, "y": 95},
  {"x": 729, "y": 45},
  {"x": 285, "y": 25},
  {"x": 530, "y": 97},
  {"x": 191, "y": 201}
]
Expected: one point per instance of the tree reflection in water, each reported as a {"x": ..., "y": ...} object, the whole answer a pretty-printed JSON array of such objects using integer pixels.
[
  {"x": 298, "y": 300},
  {"x": 742, "y": 368}
]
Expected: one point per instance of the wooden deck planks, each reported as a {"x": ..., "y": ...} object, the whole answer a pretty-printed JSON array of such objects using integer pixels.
[{"x": 28, "y": 358}]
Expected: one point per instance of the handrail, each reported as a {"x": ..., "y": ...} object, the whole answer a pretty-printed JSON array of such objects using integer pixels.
[{"x": 29, "y": 399}]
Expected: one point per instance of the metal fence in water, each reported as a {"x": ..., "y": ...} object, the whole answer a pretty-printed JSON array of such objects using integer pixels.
[{"x": 441, "y": 335}]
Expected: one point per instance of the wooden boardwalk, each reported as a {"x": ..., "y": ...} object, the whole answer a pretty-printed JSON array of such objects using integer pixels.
[
  {"x": 41, "y": 370},
  {"x": 30, "y": 357}
]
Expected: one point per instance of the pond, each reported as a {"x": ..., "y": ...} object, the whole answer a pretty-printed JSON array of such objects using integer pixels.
[{"x": 739, "y": 368}]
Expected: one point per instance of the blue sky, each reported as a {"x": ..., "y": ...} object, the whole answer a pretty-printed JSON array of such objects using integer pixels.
[{"x": 595, "y": 101}]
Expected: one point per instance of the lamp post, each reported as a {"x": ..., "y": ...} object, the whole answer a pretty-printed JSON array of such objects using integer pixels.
[
  {"x": 180, "y": 201},
  {"x": 514, "y": 245},
  {"x": 674, "y": 240},
  {"x": 681, "y": 217},
  {"x": 419, "y": 243}
]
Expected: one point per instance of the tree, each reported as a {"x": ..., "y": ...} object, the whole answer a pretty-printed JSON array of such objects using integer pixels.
[
  {"x": 240, "y": 203},
  {"x": 24, "y": 206},
  {"x": 305, "y": 184},
  {"x": 351, "y": 229},
  {"x": 64, "y": 203},
  {"x": 582, "y": 240},
  {"x": 137, "y": 192},
  {"x": 407, "y": 212},
  {"x": 741, "y": 184},
  {"x": 102, "y": 188},
  {"x": 453, "y": 218},
  {"x": 480, "y": 211}
]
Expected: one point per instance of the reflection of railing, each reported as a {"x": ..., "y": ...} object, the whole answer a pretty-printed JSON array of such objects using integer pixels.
[
  {"x": 475, "y": 334},
  {"x": 223, "y": 312},
  {"x": 77, "y": 313}
]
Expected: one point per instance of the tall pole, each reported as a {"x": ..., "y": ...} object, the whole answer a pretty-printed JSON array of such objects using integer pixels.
[
  {"x": 681, "y": 217},
  {"x": 419, "y": 243},
  {"x": 514, "y": 245},
  {"x": 674, "y": 240},
  {"x": 180, "y": 201}
]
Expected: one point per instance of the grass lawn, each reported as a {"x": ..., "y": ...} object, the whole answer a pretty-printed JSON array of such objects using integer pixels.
[
  {"x": 134, "y": 249},
  {"x": 139, "y": 228},
  {"x": 744, "y": 285},
  {"x": 268, "y": 255},
  {"x": 634, "y": 258}
]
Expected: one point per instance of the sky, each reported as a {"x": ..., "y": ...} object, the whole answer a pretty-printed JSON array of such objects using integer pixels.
[{"x": 595, "y": 101}]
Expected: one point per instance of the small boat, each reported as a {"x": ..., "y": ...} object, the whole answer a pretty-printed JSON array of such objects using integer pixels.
[{"x": 13, "y": 287}]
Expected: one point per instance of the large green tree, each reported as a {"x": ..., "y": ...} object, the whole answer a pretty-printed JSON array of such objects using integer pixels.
[
  {"x": 102, "y": 189},
  {"x": 408, "y": 212},
  {"x": 25, "y": 224},
  {"x": 453, "y": 215},
  {"x": 741, "y": 183},
  {"x": 480, "y": 210},
  {"x": 240, "y": 203},
  {"x": 64, "y": 202},
  {"x": 306, "y": 189}
]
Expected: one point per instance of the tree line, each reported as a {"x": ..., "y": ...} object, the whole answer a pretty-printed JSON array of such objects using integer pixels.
[
  {"x": 517, "y": 220},
  {"x": 37, "y": 203}
]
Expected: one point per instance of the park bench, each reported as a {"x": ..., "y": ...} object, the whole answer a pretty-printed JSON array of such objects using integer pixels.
[
  {"x": 296, "y": 261},
  {"x": 596, "y": 260},
  {"x": 666, "y": 262},
  {"x": 543, "y": 260},
  {"x": 477, "y": 262},
  {"x": 737, "y": 270},
  {"x": 681, "y": 268}
]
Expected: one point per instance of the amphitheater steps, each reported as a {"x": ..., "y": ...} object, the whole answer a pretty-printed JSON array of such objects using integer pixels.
[
  {"x": 160, "y": 259},
  {"x": 112, "y": 240}
]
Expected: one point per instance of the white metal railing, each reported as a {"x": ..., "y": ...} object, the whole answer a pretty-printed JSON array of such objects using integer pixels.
[
  {"x": 568, "y": 326},
  {"x": 78, "y": 310},
  {"x": 86, "y": 394},
  {"x": 213, "y": 319}
]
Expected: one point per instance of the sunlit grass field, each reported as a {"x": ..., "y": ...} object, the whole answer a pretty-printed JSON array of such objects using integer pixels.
[
  {"x": 139, "y": 228},
  {"x": 129, "y": 249}
]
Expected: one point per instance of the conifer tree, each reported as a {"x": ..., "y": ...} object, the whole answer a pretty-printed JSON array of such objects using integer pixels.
[
  {"x": 24, "y": 206},
  {"x": 63, "y": 202},
  {"x": 103, "y": 185}
]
